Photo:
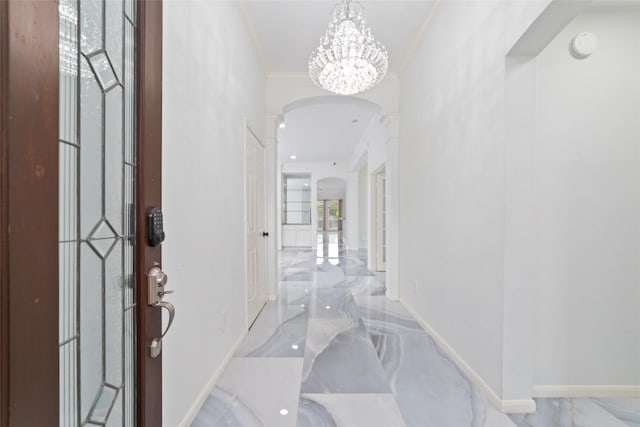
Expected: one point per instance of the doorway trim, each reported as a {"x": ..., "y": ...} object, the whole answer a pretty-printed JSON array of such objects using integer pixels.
[
  {"x": 375, "y": 262},
  {"x": 148, "y": 194},
  {"x": 248, "y": 130}
]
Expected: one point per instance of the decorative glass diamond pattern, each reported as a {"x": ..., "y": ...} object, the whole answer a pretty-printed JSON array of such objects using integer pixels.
[
  {"x": 104, "y": 70},
  {"x": 104, "y": 402},
  {"x": 103, "y": 238},
  {"x": 97, "y": 181}
]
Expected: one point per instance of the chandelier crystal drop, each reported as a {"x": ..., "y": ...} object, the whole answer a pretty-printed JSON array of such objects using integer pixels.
[{"x": 349, "y": 59}]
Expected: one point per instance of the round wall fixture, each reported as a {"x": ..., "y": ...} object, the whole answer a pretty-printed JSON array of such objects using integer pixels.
[{"x": 583, "y": 45}]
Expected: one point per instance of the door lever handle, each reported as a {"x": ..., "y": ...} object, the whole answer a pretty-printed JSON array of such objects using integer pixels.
[
  {"x": 157, "y": 280},
  {"x": 156, "y": 343}
]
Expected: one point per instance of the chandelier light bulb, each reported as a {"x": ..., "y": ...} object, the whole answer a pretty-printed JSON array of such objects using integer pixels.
[{"x": 349, "y": 59}]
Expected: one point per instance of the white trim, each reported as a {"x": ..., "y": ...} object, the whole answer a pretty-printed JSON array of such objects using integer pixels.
[
  {"x": 206, "y": 391},
  {"x": 505, "y": 406},
  {"x": 417, "y": 38},
  {"x": 253, "y": 35},
  {"x": 586, "y": 391}
]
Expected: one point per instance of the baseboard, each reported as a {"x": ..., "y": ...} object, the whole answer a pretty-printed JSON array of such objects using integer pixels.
[
  {"x": 586, "y": 391},
  {"x": 504, "y": 406},
  {"x": 206, "y": 391}
]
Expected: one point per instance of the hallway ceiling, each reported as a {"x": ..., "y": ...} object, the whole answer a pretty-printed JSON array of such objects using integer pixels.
[
  {"x": 323, "y": 132},
  {"x": 286, "y": 32}
]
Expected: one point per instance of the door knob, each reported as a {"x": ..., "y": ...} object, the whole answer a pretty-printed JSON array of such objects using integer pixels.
[{"x": 265, "y": 234}]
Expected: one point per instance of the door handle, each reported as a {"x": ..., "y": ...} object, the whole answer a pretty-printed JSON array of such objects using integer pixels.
[
  {"x": 157, "y": 280},
  {"x": 265, "y": 234}
]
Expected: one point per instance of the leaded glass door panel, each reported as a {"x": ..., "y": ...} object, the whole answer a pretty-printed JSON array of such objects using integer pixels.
[{"x": 97, "y": 229}]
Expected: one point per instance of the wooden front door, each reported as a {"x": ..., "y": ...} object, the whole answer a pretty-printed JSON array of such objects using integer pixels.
[{"x": 81, "y": 155}]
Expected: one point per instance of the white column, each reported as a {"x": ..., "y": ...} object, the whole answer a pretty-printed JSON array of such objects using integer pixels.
[
  {"x": 351, "y": 212},
  {"x": 519, "y": 237},
  {"x": 393, "y": 206}
]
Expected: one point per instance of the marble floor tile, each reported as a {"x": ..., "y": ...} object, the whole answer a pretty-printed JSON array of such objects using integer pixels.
[
  {"x": 333, "y": 303},
  {"x": 340, "y": 358},
  {"x": 365, "y": 285},
  {"x": 349, "y": 410},
  {"x": 429, "y": 388},
  {"x": 568, "y": 413},
  {"x": 383, "y": 316},
  {"x": 626, "y": 409},
  {"x": 330, "y": 279},
  {"x": 360, "y": 360},
  {"x": 297, "y": 274},
  {"x": 279, "y": 331},
  {"x": 254, "y": 392},
  {"x": 295, "y": 295}
]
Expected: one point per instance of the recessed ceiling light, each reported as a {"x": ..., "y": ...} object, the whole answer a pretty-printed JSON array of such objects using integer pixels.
[
  {"x": 295, "y": 346},
  {"x": 328, "y": 307},
  {"x": 306, "y": 185},
  {"x": 283, "y": 412},
  {"x": 292, "y": 157},
  {"x": 282, "y": 125}
]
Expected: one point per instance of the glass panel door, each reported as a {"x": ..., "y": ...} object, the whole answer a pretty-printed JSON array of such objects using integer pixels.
[
  {"x": 97, "y": 230},
  {"x": 333, "y": 214}
]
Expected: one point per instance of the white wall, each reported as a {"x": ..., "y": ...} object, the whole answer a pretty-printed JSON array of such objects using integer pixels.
[
  {"x": 212, "y": 81},
  {"x": 452, "y": 177},
  {"x": 588, "y": 205}
]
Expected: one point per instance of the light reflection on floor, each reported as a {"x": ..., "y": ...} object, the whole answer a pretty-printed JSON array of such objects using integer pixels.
[{"x": 328, "y": 244}]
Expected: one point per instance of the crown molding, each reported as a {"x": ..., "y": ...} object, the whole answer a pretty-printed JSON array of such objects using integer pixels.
[
  {"x": 418, "y": 37},
  {"x": 255, "y": 40}
]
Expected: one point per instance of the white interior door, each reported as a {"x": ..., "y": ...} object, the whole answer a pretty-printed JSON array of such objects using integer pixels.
[
  {"x": 255, "y": 211},
  {"x": 381, "y": 222}
]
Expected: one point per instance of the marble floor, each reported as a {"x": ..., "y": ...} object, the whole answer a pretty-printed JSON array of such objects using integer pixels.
[{"x": 334, "y": 351}]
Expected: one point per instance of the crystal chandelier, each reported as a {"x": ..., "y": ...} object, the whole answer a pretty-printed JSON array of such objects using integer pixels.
[{"x": 349, "y": 60}]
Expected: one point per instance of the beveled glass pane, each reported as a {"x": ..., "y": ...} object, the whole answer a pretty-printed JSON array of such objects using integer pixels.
[
  {"x": 91, "y": 21},
  {"x": 129, "y": 367},
  {"x": 68, "y": 51},
  {"x": 68, "y": 385},
  {"x": 67, "y": 193},
  {"x": 130, "y": 9},
  {"x": 104, "y": 401},
  {"x": 129, "y": 93},
  {"x": 103, "y": 69},
  {"x": 67, "y": 288},
  {"x": 115, "y": 416},
  {"x": 114, "y": 12},
  {"x": 91, "y": 327},
  {"x": 113, "y": 159},
  {"x": 97, "y": 207},
  {"x": 113, "y": 310},
  {"x": 90, "y": 152},
  {"x": 102, "y": 239}
]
